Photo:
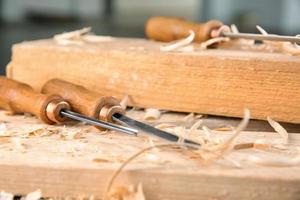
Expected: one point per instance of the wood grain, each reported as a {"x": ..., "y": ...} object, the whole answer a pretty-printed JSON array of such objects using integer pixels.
[
  {"x": 64, "y": 167},
  {"x": 217, "y": 82}
]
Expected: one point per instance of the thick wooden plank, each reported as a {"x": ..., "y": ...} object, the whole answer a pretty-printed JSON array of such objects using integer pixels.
[
  {"x": 218, "y": 82},
  {"x": 64, "y": 166}
]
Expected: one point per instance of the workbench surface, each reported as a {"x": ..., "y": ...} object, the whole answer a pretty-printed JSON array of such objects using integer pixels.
[{"x": 77, "y": 160}]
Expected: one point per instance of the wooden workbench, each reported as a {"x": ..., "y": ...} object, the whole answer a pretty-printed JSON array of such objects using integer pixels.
[{"x": 78, "y": 161}]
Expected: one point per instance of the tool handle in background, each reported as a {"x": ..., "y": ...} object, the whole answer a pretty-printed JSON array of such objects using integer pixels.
[
  {"x": 84, "y": 101},
  {"x": 21, "y": 98},
  {"x": 168, "y": 29}
]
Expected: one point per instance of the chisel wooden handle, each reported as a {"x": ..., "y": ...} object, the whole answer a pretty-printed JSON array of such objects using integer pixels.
[
  {"x": 167, "y": 29},
  {"x": 83, "y": 100},
  {"x": 21, "y": 98}
]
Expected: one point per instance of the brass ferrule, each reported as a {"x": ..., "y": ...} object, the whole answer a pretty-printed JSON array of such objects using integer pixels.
[{"x": 53, "y": 110}]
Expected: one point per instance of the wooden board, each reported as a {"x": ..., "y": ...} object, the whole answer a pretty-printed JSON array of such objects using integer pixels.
[
  {"x": 217, "y": 82},
  {"x": 62, "y": 166}
]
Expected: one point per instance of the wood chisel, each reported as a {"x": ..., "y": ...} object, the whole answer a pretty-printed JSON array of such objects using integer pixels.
[
  {"x": 21, "y": 98},
  {"x": 168, "y": 29},
  {"x": 91, "y": 103}
]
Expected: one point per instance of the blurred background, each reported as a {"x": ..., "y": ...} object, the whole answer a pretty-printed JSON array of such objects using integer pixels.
[{"x": 22, "y": 20}]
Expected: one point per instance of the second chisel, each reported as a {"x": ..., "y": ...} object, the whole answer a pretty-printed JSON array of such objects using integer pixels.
[{"x": 91, "y": 103}]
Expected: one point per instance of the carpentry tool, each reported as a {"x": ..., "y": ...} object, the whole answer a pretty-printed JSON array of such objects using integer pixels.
[
  {"x": 168, "y": 29},
  {"x": 92, "y": 104},
  {"x": 21, "y": 98}
]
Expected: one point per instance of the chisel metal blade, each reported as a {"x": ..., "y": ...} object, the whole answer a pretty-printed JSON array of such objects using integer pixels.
[
  {"x": 79, "y": 117},
  {"x": 147, "y": 128},
  {"x": 270, "y": 37}
]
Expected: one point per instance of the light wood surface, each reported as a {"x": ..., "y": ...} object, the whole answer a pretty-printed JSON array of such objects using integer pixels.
[
  {"x": 65, "y": 164},
  {"x": 217, "y": 82}
]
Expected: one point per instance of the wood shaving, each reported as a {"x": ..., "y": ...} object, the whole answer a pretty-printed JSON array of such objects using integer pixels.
[
  {"x": 234, "y": 28},
  {"x": 210, "y": 42},
  {"x": 179, "y": 43},
  {"x": 97, "y": 38},
  {"x": 189, "y": 48},
  {"x": 164, "y": 126},
  {"x": 124, "y": 102},
  {"x": 224, "y": 129},
  {"x": 227, "y": 146},
  {"x": 36, "y": 132},
  {"x": 152, "y": 114},
  {"x": 100, "y": 160},
  {"x": 109, "y": 189},
  {"x": 127, "y": 193},
  {"x": 79, "y": 37},
  {"x": 261, "y": 30},
  {"x": 36, "y": 195},
  {"x": 6, "y": 196},
  {"x": 73, "y": 34},
  {"x": 279, "y": 129},
  {"x": 277, "y": 46}
]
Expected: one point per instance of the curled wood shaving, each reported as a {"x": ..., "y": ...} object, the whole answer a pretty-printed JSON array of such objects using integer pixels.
[
  {"x": 225, "y": 147},
  {"x": 80, "y": 37},
  {"x": 234, "y": 28},
  {"x": 6, "y": 196},
  {"x": 36, "y": 195},
  {"x": 73, "y": 37},
  {"x": 210, "y": 42},
  {"x": 261, "y": 30},
  {"x": 127, "y": 193},
  {"x": 279, "y": 129},
  {"x": 109, "y": 188},
  {"x": 152, "y": 114},
  {"x": 124, "y": 102},
  {"x": 189, "y": 48},
  {"x": 278, "y": 46},
  {"x": 73, "y": 34},
  {"x": 179, "y": 43}
]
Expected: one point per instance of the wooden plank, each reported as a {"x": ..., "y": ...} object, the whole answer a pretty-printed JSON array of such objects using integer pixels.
[
  {"x": 218, "y": 82},
  {"x": 64, "y": 166}
]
